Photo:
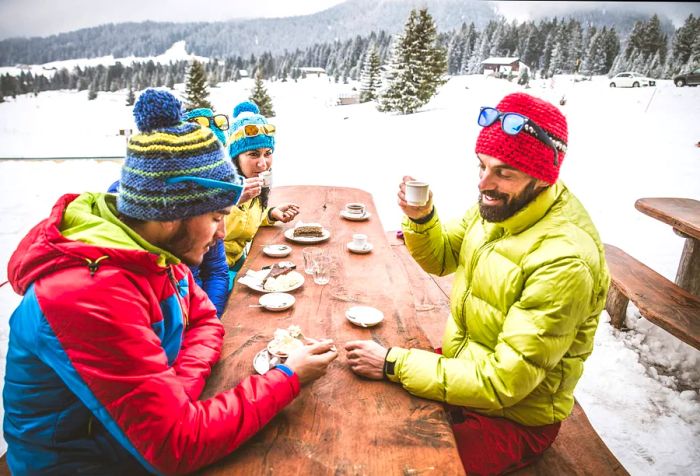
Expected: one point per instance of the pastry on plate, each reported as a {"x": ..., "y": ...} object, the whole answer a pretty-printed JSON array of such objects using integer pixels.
[{"x": 308, "y": 230}]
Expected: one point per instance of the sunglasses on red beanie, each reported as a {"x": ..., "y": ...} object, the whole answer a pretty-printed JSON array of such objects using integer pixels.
[{"x": 513, "y": 124}]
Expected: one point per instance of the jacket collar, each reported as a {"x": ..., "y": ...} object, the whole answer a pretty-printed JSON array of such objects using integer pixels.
[{"x": 529, "y": 215}]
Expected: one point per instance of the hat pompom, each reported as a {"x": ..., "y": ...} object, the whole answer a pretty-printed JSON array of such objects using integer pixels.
[
  {"x": 156, "y": 109},
  {"x": 245, "y": 106}
]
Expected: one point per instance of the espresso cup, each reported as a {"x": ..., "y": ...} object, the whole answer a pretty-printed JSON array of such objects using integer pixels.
[
  {"x": 266, "y": 177},
  {"x": 355, "y": 208},
  {"x": 416, "y": 193},
  {"x": 359, "y": 240}
]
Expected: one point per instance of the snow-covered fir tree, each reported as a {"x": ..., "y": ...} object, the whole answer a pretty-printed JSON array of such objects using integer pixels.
[
  {"x": 400, "y": 93},
  {"x": 260, "y": 97},
  {"x": 417, "y": 67},
  {"x": 370, "y": 79},
  {"x": 130, "y": 97},
  {"x": 196, "y": 92}
]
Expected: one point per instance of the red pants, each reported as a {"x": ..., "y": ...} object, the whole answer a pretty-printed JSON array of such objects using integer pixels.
[{"x": 492, "y": 445}]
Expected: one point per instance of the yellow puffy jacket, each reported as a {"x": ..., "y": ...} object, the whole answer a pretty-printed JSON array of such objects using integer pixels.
[
  {"x": 525, "y": 304},
  {"x": 241, "y": 226}
]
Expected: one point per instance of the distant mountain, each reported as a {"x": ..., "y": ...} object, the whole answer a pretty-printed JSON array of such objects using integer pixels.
[{"x": 253, "y": 37}]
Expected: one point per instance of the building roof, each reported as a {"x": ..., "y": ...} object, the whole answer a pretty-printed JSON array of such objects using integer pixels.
[{"x": 499, "y": 60}]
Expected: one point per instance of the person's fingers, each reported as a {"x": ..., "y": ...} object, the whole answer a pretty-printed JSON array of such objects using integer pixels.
[
  {"x": 320, "y": 347},
  {"x": 353, "y": 344},
  {"x": 327, "y": 357}
]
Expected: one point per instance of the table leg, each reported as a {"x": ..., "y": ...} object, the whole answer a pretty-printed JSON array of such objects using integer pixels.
[{"x": 688, "y": 275}]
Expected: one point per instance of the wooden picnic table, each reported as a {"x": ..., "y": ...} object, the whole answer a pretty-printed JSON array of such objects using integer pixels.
[
  {"x": 342, "y": 424},
  {"x": 683, "y": 214}
]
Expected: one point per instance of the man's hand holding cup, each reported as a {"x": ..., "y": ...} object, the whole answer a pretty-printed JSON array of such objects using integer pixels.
[{"x": 415, "y": 198}]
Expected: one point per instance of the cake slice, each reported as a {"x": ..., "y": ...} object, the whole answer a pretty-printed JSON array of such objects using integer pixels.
[
  {"x": 314, "y": 230},
  {"x": 278, "y": 269}
]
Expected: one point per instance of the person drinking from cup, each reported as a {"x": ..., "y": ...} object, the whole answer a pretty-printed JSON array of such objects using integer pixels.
[
  {"x": 530, "y": 284},
  {"x": 112, "y": 344},
  {"x": 251, "y": 145}
]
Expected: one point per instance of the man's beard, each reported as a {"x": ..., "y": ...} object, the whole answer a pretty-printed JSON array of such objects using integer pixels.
[
  {"x": 181, "y": 244},
  {"x": 499, "y": 213}
]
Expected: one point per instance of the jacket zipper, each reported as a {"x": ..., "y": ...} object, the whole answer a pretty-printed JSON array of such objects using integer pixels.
[
  {"x": 471, "y": 272},
  {"x": 171, "y": 275}
]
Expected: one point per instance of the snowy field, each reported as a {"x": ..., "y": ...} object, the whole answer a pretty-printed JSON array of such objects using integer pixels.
[{"x": 639, "y": 389}]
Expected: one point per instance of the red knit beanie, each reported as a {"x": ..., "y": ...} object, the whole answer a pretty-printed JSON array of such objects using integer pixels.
[{"x": 524, "y": 151}]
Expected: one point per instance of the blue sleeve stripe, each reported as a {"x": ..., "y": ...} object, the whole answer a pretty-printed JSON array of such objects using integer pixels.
[
  {"x": 51, "y": 352},
  {"x": 287, "y": 371}
]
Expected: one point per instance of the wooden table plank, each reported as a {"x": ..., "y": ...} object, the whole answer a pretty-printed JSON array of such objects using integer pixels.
[
  {"x": 683, "y": 214},
  {"x": 342, "y": 424}
]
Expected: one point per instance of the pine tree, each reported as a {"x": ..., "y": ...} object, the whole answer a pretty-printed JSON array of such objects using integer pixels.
[
  {"x": 431, "y": 73},
  {"x": 370, "y": 80},
  {"x": 682, "y": 47},
  {"x": 170, "y": 80},
  {"x": 92, "y": 91},
  {"x": 130, "y": 98},
  {"x": 196, "y": 92},
  {"x": 260, "y": 97},
  {"x": 417, "y": 66},
  {"x": 400, "y": 92}
]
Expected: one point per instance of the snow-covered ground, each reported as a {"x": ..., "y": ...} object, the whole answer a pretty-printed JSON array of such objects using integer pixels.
[
  {"x": 175, "y": 53},
  {"x": 639, "y": 389}
]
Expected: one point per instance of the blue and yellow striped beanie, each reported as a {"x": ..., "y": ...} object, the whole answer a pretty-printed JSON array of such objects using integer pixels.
[
  {"x": 243, "y": 114},
  {"x": 165, "y": 148}
]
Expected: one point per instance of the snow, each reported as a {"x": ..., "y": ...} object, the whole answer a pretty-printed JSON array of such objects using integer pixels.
[
  {"x": 639, "y": 388},
  {"x": 175, "y": 53}
]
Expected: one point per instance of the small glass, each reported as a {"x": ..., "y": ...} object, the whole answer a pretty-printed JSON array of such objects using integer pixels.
[
  {"x": 322, "y": 269},
  {"x": 309, "y": 254}
]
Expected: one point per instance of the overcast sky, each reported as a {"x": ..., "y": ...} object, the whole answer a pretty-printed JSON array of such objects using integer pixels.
[{"x": 47, "y": 17}]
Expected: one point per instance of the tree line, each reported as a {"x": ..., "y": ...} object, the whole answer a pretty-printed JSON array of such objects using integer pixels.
[{"x": 550, "y": 46}]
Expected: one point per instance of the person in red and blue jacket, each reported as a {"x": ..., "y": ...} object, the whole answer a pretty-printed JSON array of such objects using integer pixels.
[{"x": 112, "y": 343}]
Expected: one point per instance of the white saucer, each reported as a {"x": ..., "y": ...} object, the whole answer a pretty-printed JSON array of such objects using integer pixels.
[
  {"x": 355, "y": 216},
  {"x": 276, "y": 301},
  {"x": 364, "y": 316},
  {"x": 277, "y": 251},
  {"x": 261, "y": 362},
  {"x": 360, "y": 251}
]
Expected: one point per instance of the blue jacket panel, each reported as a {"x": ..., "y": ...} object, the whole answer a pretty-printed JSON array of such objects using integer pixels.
[{"x": 212, "y": 276}]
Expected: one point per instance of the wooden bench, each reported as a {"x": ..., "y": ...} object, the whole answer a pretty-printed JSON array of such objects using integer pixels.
[
  {"x": 578, "y": 450},
  {"x": 659, "y": 300}
]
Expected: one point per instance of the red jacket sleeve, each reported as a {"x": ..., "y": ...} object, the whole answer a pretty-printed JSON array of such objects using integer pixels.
[{"x": 118, "y": 368}]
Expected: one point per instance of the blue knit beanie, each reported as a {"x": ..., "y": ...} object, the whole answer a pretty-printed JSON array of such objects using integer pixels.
[
  {"x": 206, "y": 112},
  {"x": 243, "y": 114},
  {"x": 165, "y": 148}
]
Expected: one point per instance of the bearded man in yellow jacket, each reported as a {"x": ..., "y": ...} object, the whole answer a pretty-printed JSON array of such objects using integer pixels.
[{"x": 530, "y": 283}]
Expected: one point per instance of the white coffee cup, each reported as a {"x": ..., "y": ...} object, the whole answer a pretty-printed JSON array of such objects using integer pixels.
[
  {"x": 266, "y": 176},
  {"x": 416, "y": 193},
  {"x": 355, "y": 208},
  {"x": 359, "y": 240}
]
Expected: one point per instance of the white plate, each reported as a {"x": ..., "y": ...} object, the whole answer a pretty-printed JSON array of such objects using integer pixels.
[
  {"x": 355, "y": 216},
  {"x": 360, "y": 251},
  {"x": 253, "y": 280},
  {"x": 276, "y": 301},
  {"x": 289, "y": 234},
  {"x": 279, "y": 353},
  {"x": 277, "y": 251},
  {"x": 364, "y": 316},
  {"x": 261, "y": 362}
]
